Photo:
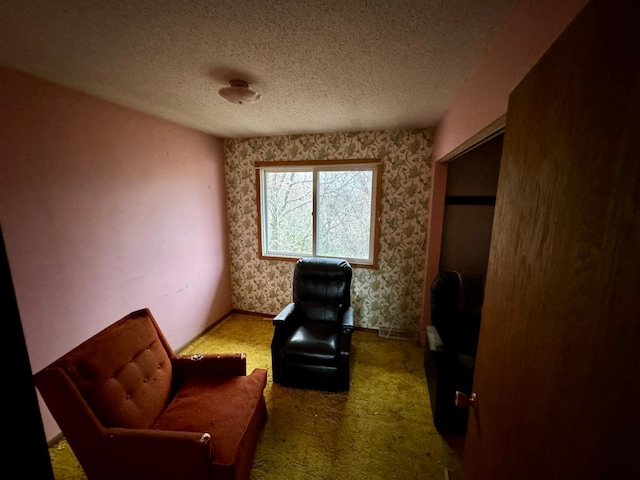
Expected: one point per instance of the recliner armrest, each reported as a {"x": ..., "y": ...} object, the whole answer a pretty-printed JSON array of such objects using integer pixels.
[
  {"x": 348, "y": 320},
  {"x": 444, "y": 358},
  {"x": 434, "y": 341},
  {"x": 284, "y": 314},
  {"x": 225, "y": 364}
]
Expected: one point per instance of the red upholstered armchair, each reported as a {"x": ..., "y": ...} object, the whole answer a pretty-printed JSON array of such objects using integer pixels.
[{"x": 131, "y": 408}]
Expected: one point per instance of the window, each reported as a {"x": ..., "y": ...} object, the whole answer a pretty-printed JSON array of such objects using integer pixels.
[{"x": 319, "y": 208}]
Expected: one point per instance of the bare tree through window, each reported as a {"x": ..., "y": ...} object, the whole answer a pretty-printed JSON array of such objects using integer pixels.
[
  {"x": 344, "y": 213},
  {"x": 289, "y": 211},
  {"x": 341, "y": 198}
]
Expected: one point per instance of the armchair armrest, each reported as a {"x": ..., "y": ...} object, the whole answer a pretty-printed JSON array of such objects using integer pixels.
[
  {"x": 156, "y": 453},
  {"x": 348, "y": 320},
  {"x": 226, "y": 364},
  {"x": 284, "y": 314}
]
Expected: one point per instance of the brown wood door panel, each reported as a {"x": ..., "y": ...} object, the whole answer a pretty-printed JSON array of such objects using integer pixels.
[{"x": 558, "y": 367}]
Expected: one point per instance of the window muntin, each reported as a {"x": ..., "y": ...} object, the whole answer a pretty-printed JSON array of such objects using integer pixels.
[{"x": 343, "y": 197}]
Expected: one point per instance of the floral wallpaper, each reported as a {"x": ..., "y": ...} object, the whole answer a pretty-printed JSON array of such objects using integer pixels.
[{"x": 387, "y": 297}]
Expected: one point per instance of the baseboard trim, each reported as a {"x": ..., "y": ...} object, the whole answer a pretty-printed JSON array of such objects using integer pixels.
[
  {"x": 54, "y": 440},
  {"x": 248, "y": 312},
  {"x": 396, "y": 334},
  {"x": 215, "y": 322},
  {"x": 269, "y": 316}
]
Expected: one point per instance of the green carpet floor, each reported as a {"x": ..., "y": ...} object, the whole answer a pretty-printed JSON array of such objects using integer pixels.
[{"x": 381, "y": 428}]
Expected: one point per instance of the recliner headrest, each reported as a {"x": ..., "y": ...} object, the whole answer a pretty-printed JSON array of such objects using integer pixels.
[
  {"x": 330, "y": 268},
  {"x": 322, "y": 281}
]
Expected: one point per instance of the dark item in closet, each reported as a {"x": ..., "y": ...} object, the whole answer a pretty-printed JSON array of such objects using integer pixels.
[{"x": 452, "y": 342}]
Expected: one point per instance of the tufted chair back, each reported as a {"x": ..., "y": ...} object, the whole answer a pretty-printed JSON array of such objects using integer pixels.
[
  {"x": 130, "y": 357},
  {"x": 322, "y": 289}
]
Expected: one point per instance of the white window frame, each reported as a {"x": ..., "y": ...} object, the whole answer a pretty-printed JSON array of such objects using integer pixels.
[{"x": 372, "y": 165}]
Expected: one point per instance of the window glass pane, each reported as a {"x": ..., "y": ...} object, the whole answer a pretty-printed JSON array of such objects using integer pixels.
[
  {"x": 288, "y": 210},
  {"x": 344, "y": 213}
]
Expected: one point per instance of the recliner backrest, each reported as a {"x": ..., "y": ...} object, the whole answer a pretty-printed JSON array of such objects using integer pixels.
[
  {"x": 322, "y": 288},
  {"x": 444, "y": 298},
  {"x": 456, "y": 307}
]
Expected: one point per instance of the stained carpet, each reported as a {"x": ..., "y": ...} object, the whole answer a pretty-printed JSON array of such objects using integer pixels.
[{"x": 380, "y": 429}]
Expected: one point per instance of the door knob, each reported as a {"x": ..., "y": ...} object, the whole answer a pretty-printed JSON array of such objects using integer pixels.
[{"x": 463, "y": 401}]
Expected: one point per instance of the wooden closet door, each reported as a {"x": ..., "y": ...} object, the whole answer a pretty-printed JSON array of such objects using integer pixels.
[{"x": 558, "y": 368}]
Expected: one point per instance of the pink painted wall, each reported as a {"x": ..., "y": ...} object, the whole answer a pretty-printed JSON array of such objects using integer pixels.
[
  {"x": 106, "y": 210},
  {"x": 528, "y": 33}
]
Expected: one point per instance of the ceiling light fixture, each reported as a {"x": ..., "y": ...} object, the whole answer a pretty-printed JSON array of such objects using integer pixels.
[{"x": 239, "y": 92}]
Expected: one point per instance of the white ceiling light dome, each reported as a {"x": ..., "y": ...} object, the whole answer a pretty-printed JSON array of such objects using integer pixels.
[{"x": 239, "y": 92}]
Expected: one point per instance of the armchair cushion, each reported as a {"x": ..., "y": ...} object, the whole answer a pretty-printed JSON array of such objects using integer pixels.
[{"x": 234, "y": 403}]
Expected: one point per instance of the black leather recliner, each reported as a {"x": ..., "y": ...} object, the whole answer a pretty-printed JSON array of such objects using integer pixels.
[
  {"x": 312, "y": 339},
  {"x": 452, "y": 342}
]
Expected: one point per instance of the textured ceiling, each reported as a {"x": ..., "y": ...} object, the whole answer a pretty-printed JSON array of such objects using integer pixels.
[{"x": 321, "y": 66}]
